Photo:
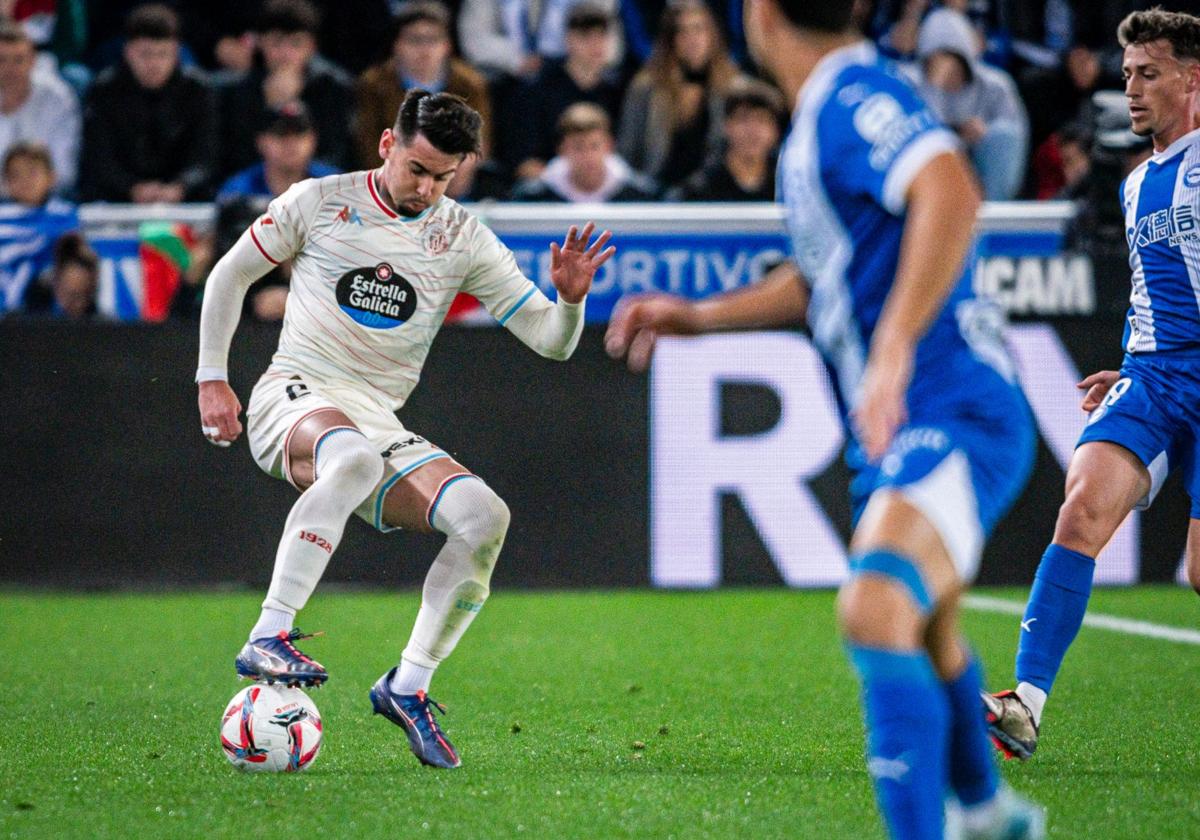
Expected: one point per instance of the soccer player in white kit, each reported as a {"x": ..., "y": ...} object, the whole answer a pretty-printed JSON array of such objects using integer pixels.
[{"x": 377, "y": 259}]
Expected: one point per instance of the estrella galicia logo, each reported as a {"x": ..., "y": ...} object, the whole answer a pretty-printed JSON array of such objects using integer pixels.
[
  {"x": 376, "y": 297},
  {"x": 1191, "y": 178}
]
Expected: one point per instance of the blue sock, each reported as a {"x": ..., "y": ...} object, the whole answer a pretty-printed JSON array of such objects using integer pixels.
[
  {"x": 1054, "y": 614},
  {"x": 973, "y": 774},
  {"x": 907, "y": 722}
]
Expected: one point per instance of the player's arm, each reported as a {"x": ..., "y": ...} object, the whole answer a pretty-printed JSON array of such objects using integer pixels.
[
  {"x": 942, "y": 202},
  {"x": 224, "y": 292},
  {"x": 779, "y": 299}
]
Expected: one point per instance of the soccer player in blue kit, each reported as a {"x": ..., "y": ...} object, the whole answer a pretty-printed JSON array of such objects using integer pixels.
[
  {"x": 1145, "y": 419},
  {"x": 881, "y": 209}
]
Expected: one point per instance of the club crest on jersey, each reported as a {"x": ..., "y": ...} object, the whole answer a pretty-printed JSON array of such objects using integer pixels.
[
  {"x": 435, "y": 238},
  {"x": 376, "y": 297},
  {"x": 348, "y": 215},
  {"x": 1191, "y": 178}
]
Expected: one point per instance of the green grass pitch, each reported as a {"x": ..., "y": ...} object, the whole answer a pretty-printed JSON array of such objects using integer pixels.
[{"x": 577, "y": 715}]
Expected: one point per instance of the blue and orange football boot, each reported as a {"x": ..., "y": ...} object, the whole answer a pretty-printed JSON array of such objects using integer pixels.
[
  {"x": 274, "y": 659},
  {"x": 414, "y": 713}
]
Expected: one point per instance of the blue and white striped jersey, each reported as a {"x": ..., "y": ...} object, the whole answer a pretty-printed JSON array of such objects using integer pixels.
[
  {"x": 1161, "y": 201},
  {"x": 860, "y": 135}
]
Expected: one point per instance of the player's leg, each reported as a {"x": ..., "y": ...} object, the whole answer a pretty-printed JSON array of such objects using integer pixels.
[
  {"x": 440, "y": 495},
  {"x": 1193, "y": 550},
  {"x": 1104, "y": 483},
  {"x": 900, "y": 572},
  {"x": 334, "y": 465}
]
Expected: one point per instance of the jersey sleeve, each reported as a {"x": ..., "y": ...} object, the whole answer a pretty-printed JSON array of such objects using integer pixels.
[
  {"x": 876, "y": 135},
  {"x": 279, "y": 233},
  {"x": 494, "y": 277}
]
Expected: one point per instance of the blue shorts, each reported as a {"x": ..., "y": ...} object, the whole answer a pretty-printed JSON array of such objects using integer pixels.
[
  {"x": 1153, "y": 410},
  {"x": 962, "y": 460}
]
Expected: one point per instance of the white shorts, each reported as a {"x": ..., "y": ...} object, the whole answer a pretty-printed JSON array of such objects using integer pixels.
[{"x": 281, "y": 400}]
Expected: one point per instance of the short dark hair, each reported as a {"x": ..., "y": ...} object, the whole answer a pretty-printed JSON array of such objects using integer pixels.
[
  {"x": 446, "y": 120},
  {"x": 13, "y": 33},
  {"x": 420, "y": 11},
  {"x": 155, "y": 21},
  {"x": 751, "y": 93},
  {"x": 72, "y": 248},
  {"x": 1180, "y": 30},
  {"x": 588, "y": 17},
  {"x": 819, "y": 15},
  {"x": 30, "y": 150},
  {"x": 289, "y": 17}
]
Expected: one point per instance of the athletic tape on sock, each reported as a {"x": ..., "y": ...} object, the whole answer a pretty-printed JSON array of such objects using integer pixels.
[{"x": 898, "y": 568}]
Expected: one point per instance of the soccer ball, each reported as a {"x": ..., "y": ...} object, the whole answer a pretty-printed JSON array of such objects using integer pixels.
[{"x": 271, "y": 727}]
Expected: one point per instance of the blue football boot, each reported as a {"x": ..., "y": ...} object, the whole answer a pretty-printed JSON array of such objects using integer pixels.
[
  {"x": 275, "y": 659},
  {"x": 414, "y": 713}
]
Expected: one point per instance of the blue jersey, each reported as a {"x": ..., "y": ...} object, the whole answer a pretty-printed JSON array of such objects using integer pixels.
[
  {"x": 1161, "y": 202},
  {"x": 860, "y": 135}
]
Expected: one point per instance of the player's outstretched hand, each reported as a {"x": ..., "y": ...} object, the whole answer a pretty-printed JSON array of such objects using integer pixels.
[
  {"x": 219, "y": 410},
  {"x": 574, "y": 263},
  {"x": 882, "y": 408},
  {"x": 1096, "y": 387},
  {"x": 637, "y": 321}
]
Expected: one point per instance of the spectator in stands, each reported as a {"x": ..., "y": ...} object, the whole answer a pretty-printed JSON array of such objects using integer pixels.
[
  {"x": 671, "y": 116},
  {"x": 586, "y": 169},
  {"x": 754, "y": 115},
  {"x": 898, "y": 25},
  {"x": 1063, "y": 163},
  {"x": 289, "y": 69},
  {"x": 31, "y": 222},
  {"x": 286, "y": 144},
  {"x": 422, "y": 57},
  {"x": 585, "y": 75},
  {"x": 978, "y": 101},
  {"x": 513, "y": 37},
  {"x": 150, "y": 126},
  {"x": 69, "y": 289},
  {"x": 36, "y": 106}
]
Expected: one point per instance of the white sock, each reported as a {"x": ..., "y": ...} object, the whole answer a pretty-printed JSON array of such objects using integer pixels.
[
  {"x": 271, "y": 621},
  {"x": 1034, "y": 698},
  {"x": 411, "y": 678},
  {"x": 348, "y": 468},
  {"x": 474, "y": 520}
]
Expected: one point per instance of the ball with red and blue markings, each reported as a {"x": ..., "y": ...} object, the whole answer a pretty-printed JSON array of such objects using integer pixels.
[{"x": 271, "y": 728}]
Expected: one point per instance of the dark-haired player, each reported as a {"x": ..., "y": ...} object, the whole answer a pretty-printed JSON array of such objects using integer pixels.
[
  {"x": 1145, "y": 419},
  {"x": 880, "y": 208},
  {"x": 377, "y": 258}
]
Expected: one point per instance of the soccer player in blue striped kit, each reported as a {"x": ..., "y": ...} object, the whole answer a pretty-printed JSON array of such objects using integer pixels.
[
  {"x": 1145, "y": 419},
  {"x": 881, "y": 209}
]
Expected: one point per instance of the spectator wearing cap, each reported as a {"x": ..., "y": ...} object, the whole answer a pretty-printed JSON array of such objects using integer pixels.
[
  {"x": 511, "y": 38},
  {"x": 289, "y": 68},
  {"x": 979, "y": 102},
  {"x": 586, "y": 74},
  {"x": 31, "y": 222},
  {"x": 586, "y": 168},
  {"x": 422, "y": 57},
  {"x": 754, "y": 114},
  {"x": 36, "y": 106},
  {"x": 150, "y": 126},
  {"x": 671, "y": 116},
  {"x": 286, "y": 144}
]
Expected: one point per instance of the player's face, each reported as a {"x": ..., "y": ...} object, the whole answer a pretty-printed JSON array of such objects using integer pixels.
[
  {"x": 152, "y": 60},
  {"x": 1160, "y": 88},
  {"x": 415, "y": 175}
]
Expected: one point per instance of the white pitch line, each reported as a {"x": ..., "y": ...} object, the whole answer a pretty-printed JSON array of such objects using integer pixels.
[{"x": 1129, "y": 626}]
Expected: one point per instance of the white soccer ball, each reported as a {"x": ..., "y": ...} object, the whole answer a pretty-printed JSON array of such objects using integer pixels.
[{"x": 271, "y": 727}]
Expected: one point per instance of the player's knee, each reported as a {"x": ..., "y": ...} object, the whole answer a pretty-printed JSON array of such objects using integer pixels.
[
  {"x": 352, "y": 458},
  {"x": 1193, "y": 569},
  {"x": 482, "y": 523},
  {"x": 874, "y": 612},
  {"x": 1083, "y": 522}
]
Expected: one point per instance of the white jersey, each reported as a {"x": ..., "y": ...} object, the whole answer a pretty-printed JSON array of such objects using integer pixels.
[{"x": 369, "y": 288}]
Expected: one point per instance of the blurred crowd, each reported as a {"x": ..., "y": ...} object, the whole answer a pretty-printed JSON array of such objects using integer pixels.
[{"x": 583, "y": 100}]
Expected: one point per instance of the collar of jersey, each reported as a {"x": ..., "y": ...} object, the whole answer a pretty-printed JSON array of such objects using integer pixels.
[
  {"x": 832, "y": 63},
  {"x": 1174, "y": 149},
  {"x": 392, "y": 214}
]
